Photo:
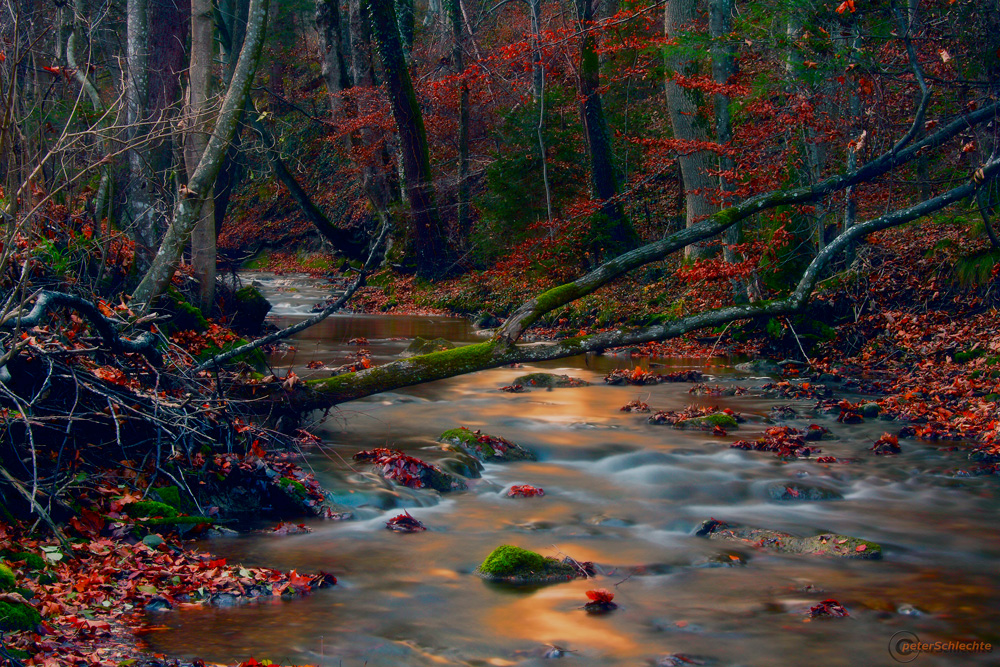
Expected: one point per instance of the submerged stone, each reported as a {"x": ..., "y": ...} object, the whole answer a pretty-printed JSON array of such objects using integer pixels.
[
  {"x": 794, "y": 491},
  {"x": 419, "y": 346},
  {"x": 514, "y": 565},
  {"x": 765, "y": 366},
  {"x": 404, "y": 469},
  {"x": 484, "y": 447},
  {"x": 825, "y": 544},
  {"x": 462, "y": 464},
  {"x": 549, "y": 380}
]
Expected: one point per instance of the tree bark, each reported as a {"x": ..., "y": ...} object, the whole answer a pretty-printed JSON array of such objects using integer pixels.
[
  {"x": 611, "y": 232},
  {"x": 198, "y": 128},
  {"x": 458, "y": 66},
  {"x": 683, "y": 109},
  {"x": 200, "y": 182},
  {"x": 139, "y": 194},
  {"x": 432, "y": 256}
]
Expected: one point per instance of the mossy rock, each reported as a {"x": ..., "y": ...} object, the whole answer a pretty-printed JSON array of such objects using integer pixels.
[
  {"x": 795, "y": 492},
  {"x": 171, "y": 495},
  {"x": 184, "y": 315},
  {"x": 484, "y": 447},
  {"x": 824, "y": 544},
  {"x": 709, "y": 422},
  {"x": 15, "y": 616},
  {"x": 419, "y": 346},
  {"x": 150, "y": 509},
  {"x": 251, "y": 310},
  {"x": 514, "y": 565},
  {"x": 760, "y": 366},
  {"x": 293, "y": 487},
  {"x": 550, "y": 380},
  {"x": 7, "y": 579},
  {"x": 870, "y": 410}
]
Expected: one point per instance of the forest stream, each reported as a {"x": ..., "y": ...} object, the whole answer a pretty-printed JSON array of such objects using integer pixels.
[{"x": 620, "y": 492}]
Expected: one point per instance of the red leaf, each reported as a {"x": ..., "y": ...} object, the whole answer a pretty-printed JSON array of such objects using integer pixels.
[{"x": 601, "y": 595}]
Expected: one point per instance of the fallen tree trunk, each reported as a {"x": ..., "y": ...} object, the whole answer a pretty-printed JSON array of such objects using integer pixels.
[{"x": 502, "y": 348}]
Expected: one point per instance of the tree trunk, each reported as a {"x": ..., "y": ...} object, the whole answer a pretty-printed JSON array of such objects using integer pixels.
[
  {"x": 458, "y": 65},
  {"x": 231, "y": 27},
  {"x": 683, "y": 109},
  {"x": 723, "y": 69},
  {"x": 432, "y": 256},
  {"x": 611, "y": 232},
  {"x": 141, "y": 213},
  {"x": 198, "y": 127},
  {"x": 200, "y": 183},
  {"x": 406, "y": 25},
  {"x": 332, "y": 55},
  {"x": 537, "y": 73}
]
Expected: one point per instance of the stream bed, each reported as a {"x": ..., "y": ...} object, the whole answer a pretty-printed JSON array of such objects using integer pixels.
[{"x": 621, "y": 492}]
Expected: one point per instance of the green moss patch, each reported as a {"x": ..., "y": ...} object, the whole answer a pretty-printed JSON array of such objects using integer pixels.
[
  {"x": 484, "y": 447},
  {"x": 7, "y": 579},
  {"x": 15, "y": 616},
  {"x": 514, "y": 565},
  {"x": 30, "y": 560},
  {"x": 151, "y": 509},
  {"x": 419, "y": 347},
  {"x": 710, "y": 421}
]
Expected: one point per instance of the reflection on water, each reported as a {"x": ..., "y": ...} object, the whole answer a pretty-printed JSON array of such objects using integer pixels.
[{"x": 620, "y": 492}]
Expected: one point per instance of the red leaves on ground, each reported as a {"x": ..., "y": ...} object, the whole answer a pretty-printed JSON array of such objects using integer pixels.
[
  {"x": 525, "y": 491},
  {"x": 886, "y": 444},
  {"x": 289, "y": 528},
  {"x": 639, "y": 376},
  {"x": 690, "y": 412},
  {"x": 635, "y": 405},
  {"x": 828, "y": 609},
  {"x": 404, "y": 523},
  {"x": 513, "y": 389},
  {"x": 399, "y": 467},
  {"x": 784, "y": 441}
]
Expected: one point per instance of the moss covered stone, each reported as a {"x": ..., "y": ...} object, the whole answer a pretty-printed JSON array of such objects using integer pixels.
[
  {"x": 171, "y": 495},
  {"x": 7, "y": 579},
  {"x": 185, "y": 316},
  {"x": 484, "y": 447},
  {"x": 251, "y": 309},
  {"x": 514, "y": 565},
  {"x": 15, "y": 616},
  {"x": 710, "y": 421},
  {"x": 824, "y": 544},
  {"x": 549, "y": 380}
]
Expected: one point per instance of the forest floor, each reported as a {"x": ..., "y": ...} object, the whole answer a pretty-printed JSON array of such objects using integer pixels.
[{"x": 905, "y": 320}]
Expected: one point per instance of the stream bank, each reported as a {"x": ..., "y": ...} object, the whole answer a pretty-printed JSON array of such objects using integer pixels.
[{"x": 621, "y": 492}]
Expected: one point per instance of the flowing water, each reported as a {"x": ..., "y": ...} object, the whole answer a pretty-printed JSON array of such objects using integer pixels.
[{"x": 620, "y": 492}]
